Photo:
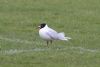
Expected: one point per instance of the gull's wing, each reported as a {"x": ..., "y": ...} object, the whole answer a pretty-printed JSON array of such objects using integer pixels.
[{"x": 52, "y": 33}]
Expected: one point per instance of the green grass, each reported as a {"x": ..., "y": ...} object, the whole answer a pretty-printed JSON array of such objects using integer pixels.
[{"x": 20, "y": 45}]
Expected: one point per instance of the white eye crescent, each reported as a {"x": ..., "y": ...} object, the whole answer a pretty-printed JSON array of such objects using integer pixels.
[{"x": 39, "y": 26}]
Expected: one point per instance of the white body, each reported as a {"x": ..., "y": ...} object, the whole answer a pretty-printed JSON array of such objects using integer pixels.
[{"x": 47, "y": 33}]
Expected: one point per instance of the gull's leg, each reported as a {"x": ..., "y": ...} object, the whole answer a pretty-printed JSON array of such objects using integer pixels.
[
  {"x": 47, "y": 43},
  {"x": 51, "y": 41}
]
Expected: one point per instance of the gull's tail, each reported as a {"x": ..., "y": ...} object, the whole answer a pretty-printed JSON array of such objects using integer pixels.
[{"x": 61, "y": 36}]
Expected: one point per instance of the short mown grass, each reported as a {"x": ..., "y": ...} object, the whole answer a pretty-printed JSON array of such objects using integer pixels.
[{"x": 21, "y": 46}]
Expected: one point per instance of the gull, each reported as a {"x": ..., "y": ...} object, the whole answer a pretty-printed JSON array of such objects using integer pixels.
[{"x": 48, "y": 34}]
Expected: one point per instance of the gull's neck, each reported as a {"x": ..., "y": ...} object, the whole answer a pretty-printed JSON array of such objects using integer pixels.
[{"x": 46, "y": 26}]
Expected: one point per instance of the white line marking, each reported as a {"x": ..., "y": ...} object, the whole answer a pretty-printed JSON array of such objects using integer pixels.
[
  {"x": 82, "y": 49},
  {"x": 16, "y": 40},
  {"x": 16, "y": 51}
]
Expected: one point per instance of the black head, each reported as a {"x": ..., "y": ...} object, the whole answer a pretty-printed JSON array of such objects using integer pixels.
[{"x": 42, "y": 25}]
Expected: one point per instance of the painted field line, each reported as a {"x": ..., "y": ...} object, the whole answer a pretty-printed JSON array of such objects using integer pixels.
[
  {"x": 16, "y": 51},
  {"x": 17, "y": 40},
  {"x": 82, "y": 49}
]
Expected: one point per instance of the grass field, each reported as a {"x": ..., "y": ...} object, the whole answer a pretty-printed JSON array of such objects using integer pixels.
[{"x": 20, "y": 45}]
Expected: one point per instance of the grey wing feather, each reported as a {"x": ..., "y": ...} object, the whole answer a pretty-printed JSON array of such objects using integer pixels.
[{"x": 52, "y": 33}]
